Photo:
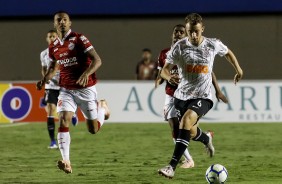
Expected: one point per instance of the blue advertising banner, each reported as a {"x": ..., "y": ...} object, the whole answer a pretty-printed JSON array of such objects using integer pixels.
[{"x": 12, "y": 8}]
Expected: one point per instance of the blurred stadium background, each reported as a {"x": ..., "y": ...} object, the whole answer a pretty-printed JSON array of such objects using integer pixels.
[{"x": 119, "y": 30}]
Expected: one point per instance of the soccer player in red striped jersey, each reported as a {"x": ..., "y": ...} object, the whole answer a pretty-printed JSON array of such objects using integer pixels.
[
  {"x": 52, "y": 90},
  {"x": 74, "y": 55}
]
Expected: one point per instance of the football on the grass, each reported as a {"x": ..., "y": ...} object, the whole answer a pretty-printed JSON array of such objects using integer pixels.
[{"x": 216, "y": 174}]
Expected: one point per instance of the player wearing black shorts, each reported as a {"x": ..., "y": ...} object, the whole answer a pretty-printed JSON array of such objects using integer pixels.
[
  {"x": 200, "y": 106},
  {"x": 194, "y": 56},
  {"x": 51, "y": 90},
  {"x": 51, "y": 96}
]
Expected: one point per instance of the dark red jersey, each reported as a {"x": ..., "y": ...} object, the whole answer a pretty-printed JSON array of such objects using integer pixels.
[
  {"x": 70, "y": 54},
  {"x": 169, "y": 89}
]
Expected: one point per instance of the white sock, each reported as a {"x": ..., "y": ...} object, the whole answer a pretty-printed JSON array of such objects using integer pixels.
[
  {"x": 64, "y": 140},
  {"x": 187, "y": 155},
  {"x": 186, "y": 152},
  {"x": 101, "y": 116}
]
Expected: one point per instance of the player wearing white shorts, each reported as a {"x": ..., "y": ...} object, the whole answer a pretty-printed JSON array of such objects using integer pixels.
[
  {"x": 194, "y": 56},
  {"x": 52, "y": 90},
  {"x": 170, "y": 112},
  {"x": 75, "y": 57}
]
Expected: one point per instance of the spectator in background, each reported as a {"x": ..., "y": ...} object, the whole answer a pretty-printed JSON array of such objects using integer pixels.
[{"x": 146, "y": 69}]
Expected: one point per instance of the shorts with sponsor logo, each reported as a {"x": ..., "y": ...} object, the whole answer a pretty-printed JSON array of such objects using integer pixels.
[
  {"x": 85, "y": 99},
  {"x": 200, "y": 106},
  {"x": 51, "y": 96},
  {"x": 169, "y": 109}
]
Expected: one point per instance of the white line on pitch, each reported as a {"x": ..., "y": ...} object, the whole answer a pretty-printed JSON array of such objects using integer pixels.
[{"x": 12, "y": 125}]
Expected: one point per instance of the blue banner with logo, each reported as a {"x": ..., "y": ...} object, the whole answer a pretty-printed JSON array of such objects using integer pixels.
[{"x": 12, "y": 8}]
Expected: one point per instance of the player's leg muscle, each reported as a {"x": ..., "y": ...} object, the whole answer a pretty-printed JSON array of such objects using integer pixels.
[
  {"x": 188, "y": 120},
  {"x": 50, "y": 109},
  {"x": 174, "y": 125},
  {"x": 193, "y": 131},
  {"x": 65, "y": 118},
  {"x": 93, "y": 126}
]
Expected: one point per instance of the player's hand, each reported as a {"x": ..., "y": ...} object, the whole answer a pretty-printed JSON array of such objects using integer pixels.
[
  {"x": 39, "y": 84},
  {"x": 238, "y": 76},
  {"x": 222, "y": 97},
  {"x": 56, "y": 82},
  {"x": 158, "y": 82},
  {"x": 83, "y": 80},
  {"x": 174, "y": 80}
]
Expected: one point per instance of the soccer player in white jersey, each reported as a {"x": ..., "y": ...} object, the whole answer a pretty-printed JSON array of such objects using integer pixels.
[
  {"x": 74, "y": 55},
  {"x": 194, "y": 57},
  {"x": 52, "y": 90},
  {"x": 170, "y": 112}
]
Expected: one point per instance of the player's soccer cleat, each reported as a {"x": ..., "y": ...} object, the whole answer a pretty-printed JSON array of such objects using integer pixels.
[
  {"x": 186, "y": 164},
  {"x": 74, "y": 120},
  {"x": 209, "y": 147},
  {"x": 166, "y": 171},
  {"x": 53, "y": 145},
  {"x": 64, "y": 166},
  {"x": 103, "y": 104}
]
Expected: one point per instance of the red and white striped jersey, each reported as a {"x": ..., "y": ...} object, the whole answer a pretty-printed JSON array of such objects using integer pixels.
[
  {"x": 169, "y": 89},
  {"x": 70, "y": 54}
]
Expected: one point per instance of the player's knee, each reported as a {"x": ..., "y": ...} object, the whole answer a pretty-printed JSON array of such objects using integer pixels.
[
  {"x": 92, "y": 127},
  {"x": 64, "y": 120},
  {"x": 92, "y": 130}
]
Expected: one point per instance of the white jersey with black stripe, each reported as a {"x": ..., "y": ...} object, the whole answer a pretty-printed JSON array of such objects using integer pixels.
[
  {"x": 45, "y": 61},
  {"x": 195, "y": 64}
]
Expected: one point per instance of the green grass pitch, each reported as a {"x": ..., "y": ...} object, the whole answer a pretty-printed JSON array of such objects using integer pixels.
[{"x": 132, "y": 153}]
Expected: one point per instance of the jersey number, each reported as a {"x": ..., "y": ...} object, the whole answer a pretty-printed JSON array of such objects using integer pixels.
[{"x": 199, "y": 103}]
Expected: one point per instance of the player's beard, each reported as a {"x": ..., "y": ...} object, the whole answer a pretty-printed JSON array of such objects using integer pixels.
[
  {"x": 195, "y": 41},
  {"x": 176, "y": 39},
  {"x": 63, "y": 30}
]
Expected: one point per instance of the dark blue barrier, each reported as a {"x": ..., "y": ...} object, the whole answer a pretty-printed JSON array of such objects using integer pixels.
[{"x": 135, "y": 7}]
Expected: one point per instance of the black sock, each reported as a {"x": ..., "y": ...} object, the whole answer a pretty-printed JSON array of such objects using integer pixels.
[
  {"x": 181, "y": 144},
  {"x": 175, "y": 130},
  {"x": 51, "y": 127},
  {"x": 201, "y": 136}
]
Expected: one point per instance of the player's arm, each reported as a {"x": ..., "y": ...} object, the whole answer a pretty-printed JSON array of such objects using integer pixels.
[
  {"x": 155, "y": 72},
  {"x": 159, "y": 80},
  {"x": 51, "y": 71},
  {"x": 161, "y": 60},
  {"x": 165, "y": 74},
  {"x": 234, "y": 62},
  {"x": 43, "y": 70},
  {"x": 219, "y": 95},
  {"x": 96, "y": 62}
]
